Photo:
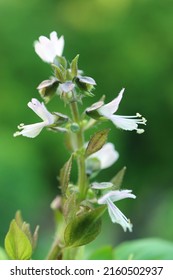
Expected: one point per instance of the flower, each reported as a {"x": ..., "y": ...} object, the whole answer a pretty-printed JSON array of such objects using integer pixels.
[
  {"x": 48, "y": 49},
  {"x": 32, "y": 130},
  {"x": 109, "y": 198},
  {"x": 107, "y": 155},
  {"x": 123, "y": 122}
]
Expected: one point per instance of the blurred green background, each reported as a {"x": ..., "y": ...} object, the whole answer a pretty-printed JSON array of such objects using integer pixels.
[{"x": 125, "y": 43}]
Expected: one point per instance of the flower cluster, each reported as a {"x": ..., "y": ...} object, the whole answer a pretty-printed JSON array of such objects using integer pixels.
[{"x": 69, "y": 84}]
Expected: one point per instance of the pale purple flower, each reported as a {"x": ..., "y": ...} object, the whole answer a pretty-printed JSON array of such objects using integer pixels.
[
  {"x": 107, "y": 155},
  {"x": 123, "y": 122},
  {"x": 32, "y": 130},
  {"x": 109, "y": 198},
  {"x": 48, "y": 49}
]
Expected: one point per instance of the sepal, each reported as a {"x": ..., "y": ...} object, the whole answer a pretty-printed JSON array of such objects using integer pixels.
[
  {"x": 47, "y": 89},
  {"x": 96, "y": 142},
  {"x": 60, "y": 72},
  {"x": 60, "y": 60},
  {"x": 118, "y": 179},
  {"x": 74, "y": 66},
  {"x": 85, "y": 83},
  {"x": 92, "y": 110},
  {"x": 65, "y": 175}
]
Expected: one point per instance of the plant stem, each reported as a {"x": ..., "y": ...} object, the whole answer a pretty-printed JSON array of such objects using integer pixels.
[{"x": 82, "y": 178}]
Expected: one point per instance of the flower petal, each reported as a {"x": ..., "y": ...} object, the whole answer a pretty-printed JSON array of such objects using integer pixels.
[
  {"x": 48, "y": 49},
  {"x": 107, "y": 155},
  {"x": 110, "y": 108},
  {"x": 30, "y": 130},
  {"x": 115, "y": 196},
  {"x": 41, "y": 111},
  {"x": 118, "y": 217},
  {"x": 128, "y": 122},
  {"x": 58, "y": 44}
]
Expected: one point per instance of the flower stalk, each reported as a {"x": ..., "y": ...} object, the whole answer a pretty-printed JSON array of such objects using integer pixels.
[
  {"x": 79, "y": 209},
  {"x": 82, "y": 178}
]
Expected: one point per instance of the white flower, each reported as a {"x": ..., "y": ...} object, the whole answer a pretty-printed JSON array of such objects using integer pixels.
[
  {"x": 107, "y": 155},
  {"x": 48, "y": 49},
  {"x": 32, "y": 130},
  {"x": 123, "y": 122},
  {"x": 115, "y": 214}
]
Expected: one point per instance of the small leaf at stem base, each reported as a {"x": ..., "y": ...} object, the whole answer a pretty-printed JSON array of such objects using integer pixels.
[{"x": 84, "y": 228}]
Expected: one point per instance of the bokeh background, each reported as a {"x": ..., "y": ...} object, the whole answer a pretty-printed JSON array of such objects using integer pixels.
[{"x": 125, "y": 43}]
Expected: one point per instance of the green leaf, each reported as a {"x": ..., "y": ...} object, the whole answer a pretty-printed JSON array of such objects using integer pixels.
[
  {"x": 97, "y": 141},
  {"x": 65, "y": 174},
  {"x": 74, "y": 66},
  {"x": 118, "y": 179},
  {"x": 70, "y": 207},
  {"x": 17, "y": 244},
  {"x": 25, "y": 227},
  {"x": 3, "y": 255},
  {"x": 104, "y": 253},
  {"x": 19, "y": 219},
  {"x": 84, "y": 228},
  {"x": 145, "y": 249}
]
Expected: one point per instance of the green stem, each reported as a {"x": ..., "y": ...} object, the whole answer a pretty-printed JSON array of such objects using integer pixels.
[{"x": 82, "y": 178}]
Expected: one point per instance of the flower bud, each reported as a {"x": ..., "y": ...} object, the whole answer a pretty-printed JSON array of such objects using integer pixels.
[{"x": 74, "y": 127}]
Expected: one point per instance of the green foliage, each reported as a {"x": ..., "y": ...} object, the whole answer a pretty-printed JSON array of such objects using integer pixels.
[
  {"x": 3, "y": 255},
  {"x": 17, "y": 244},
  {"x": 70, "y": 207},
  {"x": 145, "y": 249},
  {"x": 104, "y": 253},
  {"x": 84, "y": 228}
]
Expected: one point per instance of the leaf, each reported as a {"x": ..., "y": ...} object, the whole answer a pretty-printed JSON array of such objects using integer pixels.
[
  {"x": 145, "y": 249},
  {"x": 3, "y": 255},
  {"x": 17, "y": 244},
  {"x": 74, "y": 66},
  {"x": 97, "y": 141},
  {"x": 65, "y": 174},
  {"x": 118, "y": 178},
  {"x": 25, "y": 227},
  {"x": 104, "y": 253},
  {"x": 35, "y": 237},
  {"x": 18, "y": 218},
  {"x": 84, "y": 228},
  {"x": 69, "y": 208}
]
